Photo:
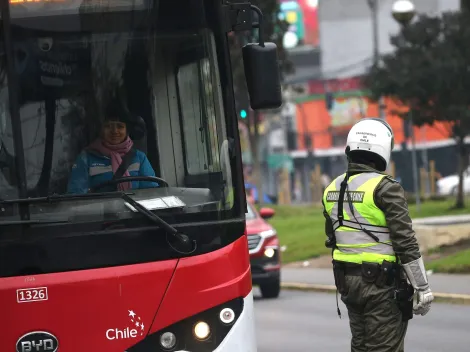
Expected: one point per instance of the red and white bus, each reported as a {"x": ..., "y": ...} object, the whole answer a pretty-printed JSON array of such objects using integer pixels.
[{"x": 161, "y": 264}]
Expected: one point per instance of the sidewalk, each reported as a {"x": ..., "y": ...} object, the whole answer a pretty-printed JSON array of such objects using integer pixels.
[
  {"x": 440, "y": 283},
  {"x": 443, "y": 220}
]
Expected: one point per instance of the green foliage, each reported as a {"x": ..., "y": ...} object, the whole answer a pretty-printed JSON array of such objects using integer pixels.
[
  {"x": 428, "y": 75},
  {"x": 465, "y": 5},
  {"x": 456, "y": 263},
  {"x": 302, "y": 230}
]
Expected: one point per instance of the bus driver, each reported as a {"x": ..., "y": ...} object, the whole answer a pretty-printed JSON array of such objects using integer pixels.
[{"x": 99, "y": 161}]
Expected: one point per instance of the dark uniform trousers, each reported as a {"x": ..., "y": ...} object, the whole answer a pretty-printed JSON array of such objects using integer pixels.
[{"x": 374, "y": 317}]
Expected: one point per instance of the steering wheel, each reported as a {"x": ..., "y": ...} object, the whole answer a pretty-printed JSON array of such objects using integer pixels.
[{"x": 116, "y": 181}]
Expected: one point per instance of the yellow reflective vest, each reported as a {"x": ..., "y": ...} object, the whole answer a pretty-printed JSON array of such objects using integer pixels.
[{"x": 353, "y": 244}]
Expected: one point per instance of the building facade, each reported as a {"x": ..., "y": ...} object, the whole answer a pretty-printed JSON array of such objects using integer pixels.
[{"x": 346, "y": 45}]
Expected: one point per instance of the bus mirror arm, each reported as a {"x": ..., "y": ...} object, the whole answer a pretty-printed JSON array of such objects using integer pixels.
[
  {"x": 262, "y": 71},
  {"x": 183, "y": 243},
  {"x": 260, "y": 60}
]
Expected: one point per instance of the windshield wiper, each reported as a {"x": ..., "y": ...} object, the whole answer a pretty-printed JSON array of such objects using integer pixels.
[
  {"x": 32, "y": 222},
  {"x": 183, "y": 239}
]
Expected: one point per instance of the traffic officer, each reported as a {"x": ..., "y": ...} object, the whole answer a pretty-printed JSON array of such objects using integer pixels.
[{"x": 374, "y": 246}]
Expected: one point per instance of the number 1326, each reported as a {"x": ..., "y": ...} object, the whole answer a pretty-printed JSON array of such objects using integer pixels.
[{"x": 31, "y": 294}]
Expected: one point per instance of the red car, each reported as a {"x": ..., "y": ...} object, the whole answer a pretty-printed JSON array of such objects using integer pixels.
[{"x": 263, "y": 245}]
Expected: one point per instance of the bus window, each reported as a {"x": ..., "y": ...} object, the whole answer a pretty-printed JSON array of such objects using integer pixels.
[
  {"x": 164, "y": 87},
  {"x": 198, "y": 114}
]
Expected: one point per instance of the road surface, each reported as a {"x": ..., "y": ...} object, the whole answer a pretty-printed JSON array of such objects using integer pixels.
[{"x": 307, "y": 321}]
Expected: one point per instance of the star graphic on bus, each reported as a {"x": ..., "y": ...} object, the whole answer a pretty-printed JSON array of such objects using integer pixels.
[{"x": 135, "y": 320}]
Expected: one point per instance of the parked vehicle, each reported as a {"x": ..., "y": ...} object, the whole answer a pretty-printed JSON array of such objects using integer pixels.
[
  {"x": 448, "y": 185},
  {"x": 264, "y": 249}
]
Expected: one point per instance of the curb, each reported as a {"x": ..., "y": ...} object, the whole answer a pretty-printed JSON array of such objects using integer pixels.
[{"x": 438, "y": 296}]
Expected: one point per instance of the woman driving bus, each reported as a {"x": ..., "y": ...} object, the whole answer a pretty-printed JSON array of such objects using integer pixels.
[{"x": 100, "y": 160}]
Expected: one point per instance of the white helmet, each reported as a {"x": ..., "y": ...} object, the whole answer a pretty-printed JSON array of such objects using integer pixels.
[{"x": 371, "y": 135}]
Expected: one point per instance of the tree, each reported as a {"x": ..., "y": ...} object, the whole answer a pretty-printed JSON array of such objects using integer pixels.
[
  {"x": 274, "y": 30},
  {"x": 465, "y": 5},
  {"x": 427, "y": 75}
]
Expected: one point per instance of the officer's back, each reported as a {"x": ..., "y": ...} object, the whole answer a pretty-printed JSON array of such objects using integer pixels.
[{"x": 373, "y": 243}]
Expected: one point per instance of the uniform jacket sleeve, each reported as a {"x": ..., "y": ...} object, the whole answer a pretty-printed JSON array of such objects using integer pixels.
[
  {"x": 390, "y": 198},
  {"x": 146, "y": 170},
  {"x": 79, "y": 182}
]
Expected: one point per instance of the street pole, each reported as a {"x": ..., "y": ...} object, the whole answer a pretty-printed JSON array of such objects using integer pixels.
[
  {"x": 374, "y": 7},
  {"x": 403, "y": 11},
  {"x": 426, "y": 159},
  {"x": 415, "y": 164},
  {"x": 308, "y": 160},
  {"x": 288, "y": 115}
]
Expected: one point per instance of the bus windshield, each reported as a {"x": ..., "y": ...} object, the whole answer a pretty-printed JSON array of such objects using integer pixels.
[{"x": 129, "y": 93}]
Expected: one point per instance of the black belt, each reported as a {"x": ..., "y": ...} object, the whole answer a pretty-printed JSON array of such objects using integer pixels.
[{"x": 352, "y": 270}]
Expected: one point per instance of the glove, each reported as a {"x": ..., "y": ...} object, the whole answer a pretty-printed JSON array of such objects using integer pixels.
[
  {"x": 417, "y": 275},
  {"x": 423, "y": 301}
]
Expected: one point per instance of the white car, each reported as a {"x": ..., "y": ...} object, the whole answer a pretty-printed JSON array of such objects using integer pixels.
[{"x": 449, "y": 185}]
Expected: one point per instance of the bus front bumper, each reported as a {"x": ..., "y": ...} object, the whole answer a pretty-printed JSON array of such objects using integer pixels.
[{"x": 242, "y": 336}]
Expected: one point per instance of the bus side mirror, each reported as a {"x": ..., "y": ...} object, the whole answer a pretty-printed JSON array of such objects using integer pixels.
[{"x": 262, "y": 75}]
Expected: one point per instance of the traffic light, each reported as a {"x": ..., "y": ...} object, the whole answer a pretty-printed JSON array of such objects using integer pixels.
[{"x": 242, "y": 104}]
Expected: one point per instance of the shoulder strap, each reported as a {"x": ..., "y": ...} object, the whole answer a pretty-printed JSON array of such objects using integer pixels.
[
  {"x": 126, "y": 161},
  {"x": 342, "y": 191}
]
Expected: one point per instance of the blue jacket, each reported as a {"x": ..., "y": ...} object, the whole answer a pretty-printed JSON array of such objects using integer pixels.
[{"x": 91, "y": 169}]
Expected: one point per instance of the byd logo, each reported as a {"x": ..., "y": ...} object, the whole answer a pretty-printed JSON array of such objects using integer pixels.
[
  {"x": 37, "y": 341},
  {"x": 134, "y": 328}
]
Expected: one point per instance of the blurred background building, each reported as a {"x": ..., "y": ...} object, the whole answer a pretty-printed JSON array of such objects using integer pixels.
[
  {"x": 279, "y": 130},
  {"x": 331, "y": 44}
]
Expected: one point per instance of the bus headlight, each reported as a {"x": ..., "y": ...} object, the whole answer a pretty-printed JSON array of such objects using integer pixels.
[
  {"x": 168, "y": 340},
  {"x": 201, "y": 330},
  {"x": 227, "y": 316}
]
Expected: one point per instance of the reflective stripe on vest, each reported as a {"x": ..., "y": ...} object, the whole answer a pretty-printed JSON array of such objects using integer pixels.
[{"x": 354, "y": 245}]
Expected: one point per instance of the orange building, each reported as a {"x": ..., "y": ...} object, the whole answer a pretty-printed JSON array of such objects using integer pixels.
[{"x": 328, "y": 129}]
